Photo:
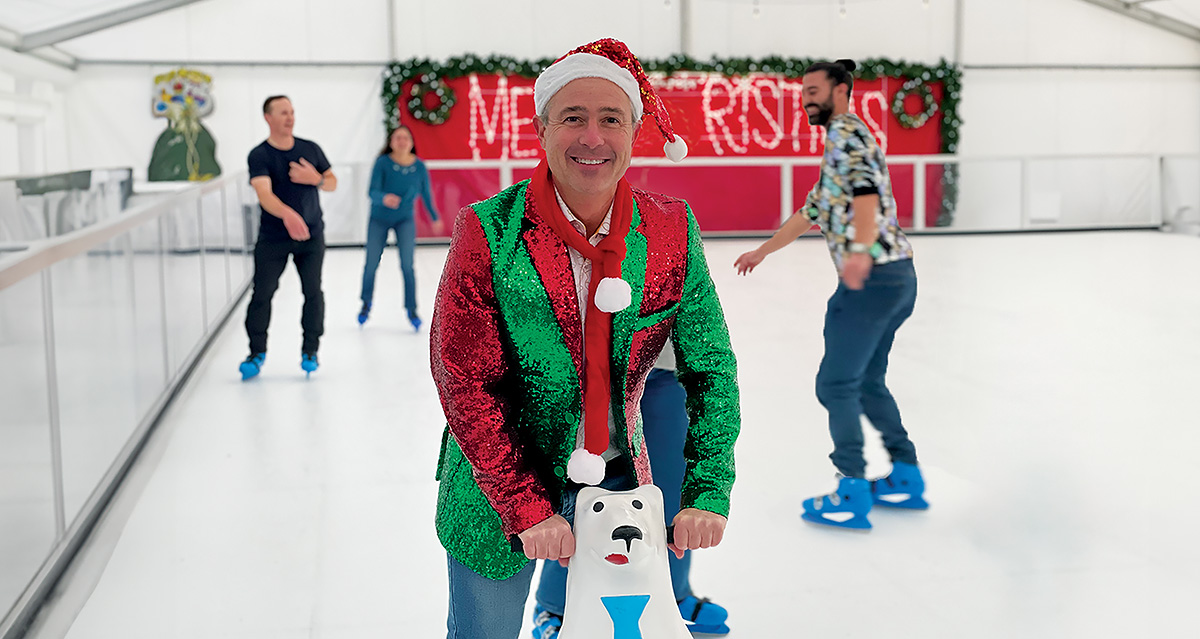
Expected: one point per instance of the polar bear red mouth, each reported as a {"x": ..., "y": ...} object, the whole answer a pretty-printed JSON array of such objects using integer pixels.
[{"x": 617, "y": 558}]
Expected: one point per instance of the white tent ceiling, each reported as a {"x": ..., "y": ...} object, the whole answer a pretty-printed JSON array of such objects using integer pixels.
[
  {"x": 1183, "y": 10},
  {"x": 37, "y": 23},
  {"x": 27, "y": 25},
  {"x": 1178, "y": 16}
]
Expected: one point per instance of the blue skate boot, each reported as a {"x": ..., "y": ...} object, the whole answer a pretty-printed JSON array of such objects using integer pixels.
[
  {"x": 414, "y": 320},
  {"x": 364, "y": 314},
  {"x": 902, "y": 488},
  {"x": 847, "y": 507},
  {"x": 308, "y": 362},
  {"x": 252, "y": 366},
  {"x": 703, "y": 617},
  {"x": 546, "y": 624}
]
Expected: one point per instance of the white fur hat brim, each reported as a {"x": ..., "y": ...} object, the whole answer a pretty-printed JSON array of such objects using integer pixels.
[{"x": 585, "y": 65}]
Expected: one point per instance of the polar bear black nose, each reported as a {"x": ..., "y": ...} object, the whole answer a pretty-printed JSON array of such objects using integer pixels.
[{"x": 627, "y": 534}]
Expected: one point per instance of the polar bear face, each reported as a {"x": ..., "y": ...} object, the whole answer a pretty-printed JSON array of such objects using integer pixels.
[
  {"x": 619, "y": 583},
  {"x": 619, "y": 532}
]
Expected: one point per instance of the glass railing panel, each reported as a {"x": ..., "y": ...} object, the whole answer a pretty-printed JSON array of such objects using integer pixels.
[{"x": 27, "y": 520}]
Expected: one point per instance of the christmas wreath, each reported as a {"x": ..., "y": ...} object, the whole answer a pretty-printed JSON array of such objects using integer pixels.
[{"x": 418, "y": 99}]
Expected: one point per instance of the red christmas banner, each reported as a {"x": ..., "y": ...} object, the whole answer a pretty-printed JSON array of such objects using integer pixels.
[
  {"x": 489, "y": 117},
  {"x": 719, "y": 116}
]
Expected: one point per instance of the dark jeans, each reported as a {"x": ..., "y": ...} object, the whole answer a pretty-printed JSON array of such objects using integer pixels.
[
  {"x": 406, "y": 240},
  {"x": 859, "y": 329},
  {"x": 270, "y": 259}
]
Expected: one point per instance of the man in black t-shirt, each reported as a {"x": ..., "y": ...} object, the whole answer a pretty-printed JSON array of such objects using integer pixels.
[{"x": 286, "y": 173}]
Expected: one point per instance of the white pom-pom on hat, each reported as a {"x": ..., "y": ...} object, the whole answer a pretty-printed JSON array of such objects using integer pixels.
[
  {"x": 676, "y": 149},
  {"x": 613, "y": 294},
  {"x": 585, "y": 468}
]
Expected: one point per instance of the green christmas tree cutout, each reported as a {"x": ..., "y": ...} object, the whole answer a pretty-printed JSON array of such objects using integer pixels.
[{"x": 186, "y": 150}]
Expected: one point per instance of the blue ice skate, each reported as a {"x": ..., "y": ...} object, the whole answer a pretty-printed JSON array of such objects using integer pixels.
[
  {"x": 703, "y": 616},
  {"x": 364, "y": 314},
  {"x": 902, "y": 488},
  {"x": 847, "y": 507},
  {"x": 415, "y": 321},
  {"x": 545, "y": 623},
  {"x": 252, "y": 366},
  {"x": 308, "y": 362}
]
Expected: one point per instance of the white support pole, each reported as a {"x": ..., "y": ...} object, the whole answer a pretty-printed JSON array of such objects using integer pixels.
[
  {"x": 958, "y": 31},
  {"x": 919, "y": 195},
  {"x": 1025, "y": 195},
  {"x": 786, "y": 199},
  {"x": 506, "y": 174},
  {"x": 685, "y": 28},
  {"x": 1157, "y": 197}
]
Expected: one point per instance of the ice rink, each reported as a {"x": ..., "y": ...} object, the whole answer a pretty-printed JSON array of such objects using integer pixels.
[{"x": 1048, "y": 381}]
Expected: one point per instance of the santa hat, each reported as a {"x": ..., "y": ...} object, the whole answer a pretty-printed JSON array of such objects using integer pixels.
[{"x": 611, "y": 60}]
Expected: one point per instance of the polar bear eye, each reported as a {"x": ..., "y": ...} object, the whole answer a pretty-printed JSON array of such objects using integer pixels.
[
  {"x": 597, "y": 507},
  {"x": 637, "y": 504}
]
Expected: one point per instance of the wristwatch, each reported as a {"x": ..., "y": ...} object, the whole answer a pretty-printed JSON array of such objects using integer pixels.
[{"x": 857, "y": 247}]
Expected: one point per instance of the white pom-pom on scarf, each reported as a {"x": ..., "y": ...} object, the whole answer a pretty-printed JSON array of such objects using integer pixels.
[
  {"x": 676, "y": 149},
  {"x": 585, "y": 468},
  {"x": 613, "y": 294}
]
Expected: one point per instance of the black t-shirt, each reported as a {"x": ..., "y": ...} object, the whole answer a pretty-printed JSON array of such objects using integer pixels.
[{"x": 269, "y": 161}]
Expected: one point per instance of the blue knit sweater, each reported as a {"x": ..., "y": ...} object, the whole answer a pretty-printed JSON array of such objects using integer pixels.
[{"x": 406, "y": 181}]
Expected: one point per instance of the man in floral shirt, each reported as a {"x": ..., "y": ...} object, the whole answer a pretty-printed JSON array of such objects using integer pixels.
[{"x": 852, "y": 203}]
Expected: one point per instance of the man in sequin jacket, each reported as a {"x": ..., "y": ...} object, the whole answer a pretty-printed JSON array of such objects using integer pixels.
[{"x": 528, "y": 340}]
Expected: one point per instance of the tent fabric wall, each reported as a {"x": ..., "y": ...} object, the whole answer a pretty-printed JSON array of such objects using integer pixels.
[{"x": 102, "y": 118}]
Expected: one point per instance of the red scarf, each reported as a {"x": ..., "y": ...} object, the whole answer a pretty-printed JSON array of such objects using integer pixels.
[{"x": 606, "y": 260}]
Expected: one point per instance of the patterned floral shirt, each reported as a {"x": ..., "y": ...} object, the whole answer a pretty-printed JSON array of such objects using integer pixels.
[{"x": 853, "y": 165}]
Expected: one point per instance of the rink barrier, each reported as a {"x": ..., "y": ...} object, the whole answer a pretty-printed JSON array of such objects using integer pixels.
[
  {"x": 236, "y": 203},
  {"x": 985, "y": 194}
]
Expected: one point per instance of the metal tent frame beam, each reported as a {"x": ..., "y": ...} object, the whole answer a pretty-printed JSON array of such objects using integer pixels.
[
  {"x": 1132, "y": 10},
  {"x": 92, "y": 24}
]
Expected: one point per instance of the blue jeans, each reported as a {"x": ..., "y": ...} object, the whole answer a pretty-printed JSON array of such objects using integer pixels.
[
  {"x": 482, "y": 608},
  {"x": 406, "y": 240},
  {"x": 859, "y": 329},
  {"x": 665, "y": 419}
]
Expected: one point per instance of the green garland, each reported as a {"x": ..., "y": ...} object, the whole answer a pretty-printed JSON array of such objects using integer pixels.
[{"x": 400, "y": 72}]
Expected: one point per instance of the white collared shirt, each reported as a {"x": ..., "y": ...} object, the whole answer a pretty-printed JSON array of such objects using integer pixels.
[{"x": 581, "y": 268}]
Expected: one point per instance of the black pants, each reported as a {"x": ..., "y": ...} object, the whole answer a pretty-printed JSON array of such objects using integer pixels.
[{"x": 270, "y": 259}]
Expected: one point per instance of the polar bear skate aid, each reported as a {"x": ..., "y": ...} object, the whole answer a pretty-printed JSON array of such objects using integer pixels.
[{"x": 619, "y": 581}]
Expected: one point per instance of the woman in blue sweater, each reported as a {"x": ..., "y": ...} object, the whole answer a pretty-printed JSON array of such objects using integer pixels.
[{"x": 396, "y": 181}]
